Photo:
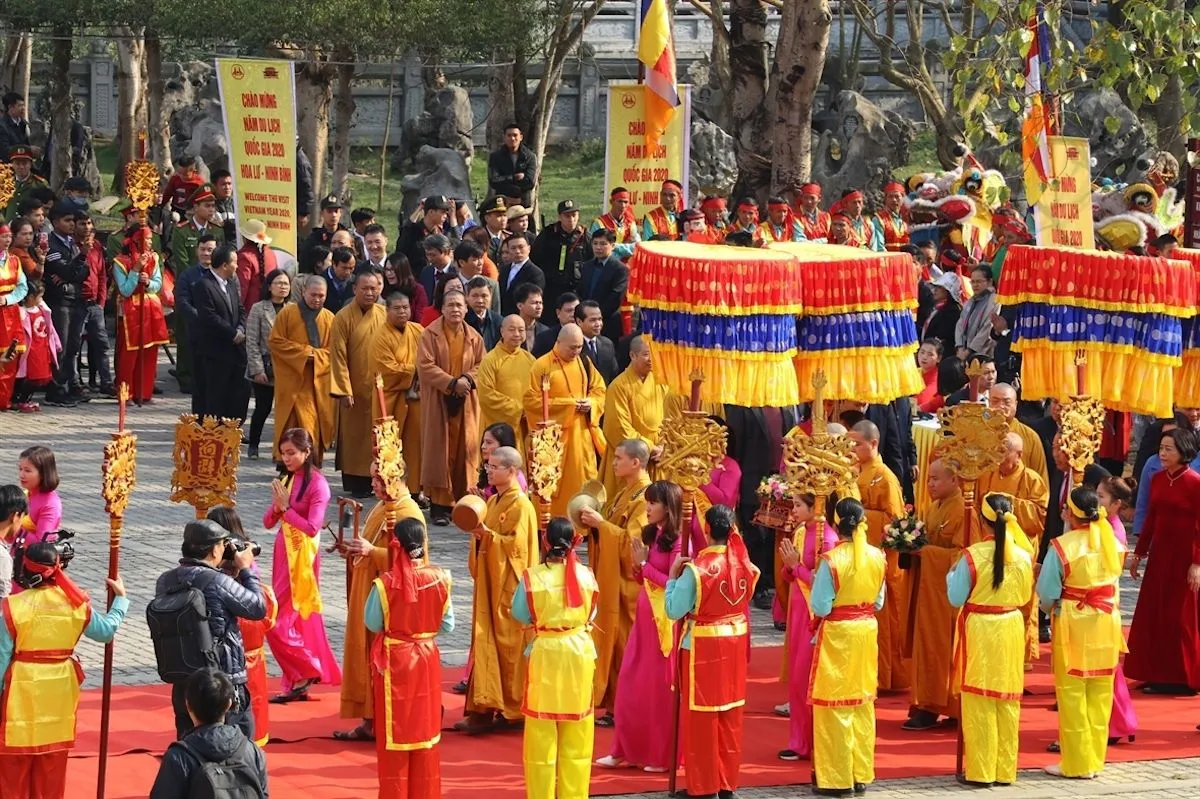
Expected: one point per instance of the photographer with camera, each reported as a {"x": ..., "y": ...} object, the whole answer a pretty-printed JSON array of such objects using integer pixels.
[
  {"x": 38, "y": 670},
  {"x": 193, "y": 617}
]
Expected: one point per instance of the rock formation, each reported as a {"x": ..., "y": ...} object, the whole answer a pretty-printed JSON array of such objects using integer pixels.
[
  {"x": 713, "y": 169},
  {"x": 439, "y": 171},
  {"x": 446, "y": 123},
  {"x": 861, "y": 149}
]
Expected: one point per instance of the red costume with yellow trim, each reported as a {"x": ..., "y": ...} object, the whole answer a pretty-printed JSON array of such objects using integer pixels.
[
  {"x": 141, "y": 324},
  {"x": 254, "y": 638},
  {"x": 407, "y": 676},
  {"x": 10, "y": 323},
  {"x": 714, "y": 669}
]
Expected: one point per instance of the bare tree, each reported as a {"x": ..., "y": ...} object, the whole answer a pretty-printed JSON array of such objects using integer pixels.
[
  {"x": 314, "y": 95},
  {"x": 343, "y": 109},
  {"x": 159, "y": 125},
  {"x": 18, "y": 63},
  {"x": 131, "y": 99},
  {"x": 60, "y": 106}
]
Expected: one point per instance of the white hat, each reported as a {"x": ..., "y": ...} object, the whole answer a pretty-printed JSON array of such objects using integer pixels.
[
  {"x": 256, "y": 231},
  {"x": 949, "y": 281}
]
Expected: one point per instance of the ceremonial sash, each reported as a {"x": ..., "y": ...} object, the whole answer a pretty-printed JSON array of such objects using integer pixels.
[
  {"x": 658, "y": 603},
  {"x": 301, "y": 555}
]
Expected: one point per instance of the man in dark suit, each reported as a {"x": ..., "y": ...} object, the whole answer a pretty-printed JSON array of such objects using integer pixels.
[
  {"x": 529, "y": 308},
  {"x": 564, "y": 314},
  {"x": 596, "y": 348},
  {"x": 560, "y": 249},
  {"x": 604, "y": 279},
  {"x": 756, "y": 443},
  {"x": 519, "y": 270},
  {"x": 479, "y": 311},
  {"x": 978, "y": 387},
  {"x": 219, "y": 339},
  {"x": 14, "y": 129},
  {"x": 439, "y": 263}
]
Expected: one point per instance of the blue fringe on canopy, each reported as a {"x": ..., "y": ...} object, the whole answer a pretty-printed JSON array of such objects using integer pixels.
[
  {"x": 849, "y": 331},
  {"x": 1156, "y": 334},
  {"x": 756, "y": 333}
]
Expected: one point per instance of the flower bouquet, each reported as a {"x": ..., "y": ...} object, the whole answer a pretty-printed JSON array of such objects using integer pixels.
[
  {"x": 775, "y": 503},
  {"x": 905, "y": 536}
]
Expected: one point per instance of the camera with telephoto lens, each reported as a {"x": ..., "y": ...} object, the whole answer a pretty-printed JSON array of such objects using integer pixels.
[
  {"x": 235, "y": 545},
  {"x": 59, "y": 539}
]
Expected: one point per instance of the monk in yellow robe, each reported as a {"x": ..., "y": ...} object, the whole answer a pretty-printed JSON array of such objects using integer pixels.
[
  {"x": 610, "y": 552},
  {"x": 352, "y": 381},
  {"x": 505, "y": 545},
  {"x": 884, "y": 501},
  {"x": 1030, "y": 499},
  {"x": 369, "y": 559},
  {"x": 931, "y": 616},
  {"x": 299, "y": 346},
  {"x": 576, "y": 403},
  {"x": 633, "y": 408},
  {"x": 1003, "y": 398},
  {"x": 503, "y": 378},
  {"x": 394, "y": 358}
]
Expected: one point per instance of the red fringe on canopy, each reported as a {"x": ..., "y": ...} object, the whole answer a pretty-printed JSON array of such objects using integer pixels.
[{"x": 836, "y": 279}]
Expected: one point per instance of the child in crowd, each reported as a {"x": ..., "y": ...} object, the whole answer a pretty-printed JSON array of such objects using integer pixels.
[
  {"x": 42, "y": 346},
  {"x": 12, "y": 510},
  {"x": 38, "y": 475}
]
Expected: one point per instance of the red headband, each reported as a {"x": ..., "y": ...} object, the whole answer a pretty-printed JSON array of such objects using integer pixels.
[
  {"x": 672, "y": 184},
  {"x": 854, "y": 195},
  {"x": 813, "y": 189},
  {"x": 717, "y": 203},
  {"x": 747, "y": 207},
  {"x": 839, "y": 215},
  {"x": 55, "y": 574},
  {"x": 894, "y": 185},
  {"x": 778, "y": 205},
  {"x": 4, "y": 228},
  {"x": 619, "y": 195}
]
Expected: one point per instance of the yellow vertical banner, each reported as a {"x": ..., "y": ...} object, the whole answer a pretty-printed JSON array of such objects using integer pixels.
[
  {"x": 258, "y": 101},
  {"x": 626, "y": 160},
  {"x": 1063, "y": 213}
]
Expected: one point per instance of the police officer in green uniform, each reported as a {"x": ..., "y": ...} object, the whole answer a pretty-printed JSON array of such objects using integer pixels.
[
  {"x": 184, "y": 238},
  {"x": 21, "y": 157}
]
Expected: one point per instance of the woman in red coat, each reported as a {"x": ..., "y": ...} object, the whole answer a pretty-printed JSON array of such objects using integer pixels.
[{"x": 1164, "y": 640}]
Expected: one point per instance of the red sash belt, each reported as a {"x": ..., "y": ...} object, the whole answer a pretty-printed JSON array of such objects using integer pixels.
[
  {"x": 50, "y": 656},
  {"x": 852, "y": 612},
  {"x": 1099, "y": 598}
]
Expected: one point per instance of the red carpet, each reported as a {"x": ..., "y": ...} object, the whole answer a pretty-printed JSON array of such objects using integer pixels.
[{"x": 304, "y": 760}]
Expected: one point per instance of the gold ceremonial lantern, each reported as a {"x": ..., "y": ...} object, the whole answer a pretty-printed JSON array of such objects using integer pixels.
[
  {"x": 8, "y": 185},
  {"x": 820, "y": 464},
  {"x": 1081, "y": 426},
  {"x": 591, "y": 495},
  {"x": 141, "y": 184},
  {"x": 691, "y": 449},
  {"x": 206, "y": 458}
]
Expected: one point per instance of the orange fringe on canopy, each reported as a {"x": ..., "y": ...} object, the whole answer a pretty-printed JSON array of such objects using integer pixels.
[
  {"x": 1123, "y": 381},
  {"x": 713, "y": 279},
  {"x": 836, "y": 279},
  {"x": 1187, "y": 380},
  {"x": 866, "y": 374},
  {"x": 1099, "y": 280},
  {"x": 729, "y": 378}
]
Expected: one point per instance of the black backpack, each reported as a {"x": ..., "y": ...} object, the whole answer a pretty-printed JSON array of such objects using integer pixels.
[
  {"x": 224, "y": 779},
  {"x": 178, "y": 621}
]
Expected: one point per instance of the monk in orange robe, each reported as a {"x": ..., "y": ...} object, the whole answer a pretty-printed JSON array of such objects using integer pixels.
[
  {"x": 884, "y": 501},
  {"x": 931, "y": 616},
  {"x": 299, "y": 345}
]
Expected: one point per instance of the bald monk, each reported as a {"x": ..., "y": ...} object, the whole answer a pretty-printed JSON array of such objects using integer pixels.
[
  {"x": 352, "y": 381},
  {"x": 884, "y": 501},
  {"x": 1003, "y": 398},
  {"x": 394, "y": 358},
  {"x": 931, "y": 615},
  {"x": 299, "y": 346},
  {"x": 368, "y": 556},
  {"x": 610, "y": 552},
  {"x": 633, "y": 408},
  {"x": 503, "y": 378},
  {"x": 1030, "y": 499},
  {"x": 505, "y": 545},
  {"x": 576, "y": 403}
]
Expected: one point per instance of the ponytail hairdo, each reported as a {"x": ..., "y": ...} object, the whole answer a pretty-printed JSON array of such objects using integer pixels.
[
  {"x": 1085, "y": 504},
  {"x": 848, "y": 514},
  {"x": 560, "y": 537},
  {"x": 1001, "y": 506},
  {"x": 410, "y": 535}
]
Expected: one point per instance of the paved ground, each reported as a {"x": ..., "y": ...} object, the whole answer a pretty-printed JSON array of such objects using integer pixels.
[{"x": 151, "y": 544}]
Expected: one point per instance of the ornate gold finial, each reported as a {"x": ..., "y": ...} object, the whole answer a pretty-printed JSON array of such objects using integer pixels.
[
  {"x": 123, "y": 392},
  {"x": 975, "y": 368},
  {"x": 1082, "y": 428},
  {"x": 119, "y": 472},
  {"x": 819, "y": 464},
  {"x": 206, "y": 458},
  {"x": 141, "y": 184},
  {"x": 973, "y": 435},
  {"x": 697, "y": 375},
  {"x": 389, "y": 458},
  {"x": 8, "y": 184}
]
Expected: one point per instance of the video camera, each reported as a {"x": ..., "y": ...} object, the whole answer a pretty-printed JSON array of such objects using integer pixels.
[{"x": 59, "y": 539}]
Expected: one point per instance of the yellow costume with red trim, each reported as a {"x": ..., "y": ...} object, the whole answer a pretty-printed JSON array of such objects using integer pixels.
[
  {"x": 407, "y": 676},
  {"x": 559, "y": 676},
  {"x": 845, "y": 671},
  {"x": 989, "y": 660}
]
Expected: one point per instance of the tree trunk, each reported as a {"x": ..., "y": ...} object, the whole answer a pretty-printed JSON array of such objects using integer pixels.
[
  {"x": 522, "y": 107},
  {"x": 158, "y": 124},
  {"x": 387, "y": 130},
  {"x": 1168, "y": 111},
  {"x": 314, "y": 95},
  {"x": 539, "y": 125},
  {"x": 748, "y": 78},
  {"x": 799, "y": 61},
  {"x": 501, "y": 97},
  {"x": 720, "y": 70},
  {"x": 130, "y": 89},
  {"x": 18, "y": 64},
  {"x": 343, "y": 120},
  {"x": 60, "y": 106}
]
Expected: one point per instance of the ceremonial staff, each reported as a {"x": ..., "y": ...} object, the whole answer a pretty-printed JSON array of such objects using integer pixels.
[
  {"x": 973, "y": 435},
  {"x": 388, "y": 461},
  {"x": 1082, "y": 425},
  {"x": 119, "y": 471},
  {"x": 545, "y": 459},
  {"x": 691, "y": 449}
]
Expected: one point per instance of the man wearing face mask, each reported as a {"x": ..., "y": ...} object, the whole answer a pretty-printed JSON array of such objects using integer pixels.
[{"x": 76, "y": 191}]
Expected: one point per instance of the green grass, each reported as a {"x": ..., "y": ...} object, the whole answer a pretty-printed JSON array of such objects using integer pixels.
[{"x": 922, "y": 155}]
